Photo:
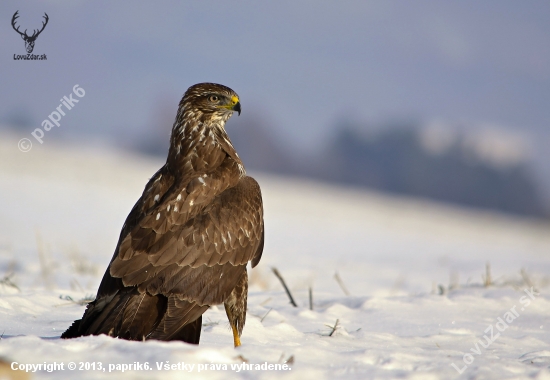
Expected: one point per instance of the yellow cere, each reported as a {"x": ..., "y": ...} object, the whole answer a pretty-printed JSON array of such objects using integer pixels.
[{"x": 234, "y": 99}]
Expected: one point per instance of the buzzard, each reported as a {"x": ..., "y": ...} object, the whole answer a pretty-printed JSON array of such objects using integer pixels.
[{"x": 186, "y": 243}]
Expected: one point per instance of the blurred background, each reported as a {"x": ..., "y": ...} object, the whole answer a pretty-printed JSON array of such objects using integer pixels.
[
  {"x": 402, "y": 149},
  {"x": 438, "y": 100}
]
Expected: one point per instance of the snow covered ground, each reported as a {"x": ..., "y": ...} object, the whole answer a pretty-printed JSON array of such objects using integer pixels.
[{"x": 415, "y": 272}]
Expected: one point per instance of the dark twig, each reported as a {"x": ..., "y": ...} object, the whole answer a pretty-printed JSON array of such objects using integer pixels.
[
  {"x": 333, "y": 327},
  {"x": 341, "y": 283},
  {"x": 276, "y": 272},
  {"x": 265, "y": 315},
  {"x": 289, "y": 361},
  {"x": 242, "y": 359},
  {"x": 6, "y": 281},
  {"x": 310, "y": 299}
]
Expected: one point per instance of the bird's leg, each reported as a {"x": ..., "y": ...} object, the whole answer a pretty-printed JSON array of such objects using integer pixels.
[
  {"x": 236, "y": 337},
  {"x": 235, "y": 307}
]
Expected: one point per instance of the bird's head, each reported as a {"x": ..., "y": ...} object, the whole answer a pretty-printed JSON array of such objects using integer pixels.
[
  {"x": 212, "y": 99},
  {"x": 201, "y": 117}
]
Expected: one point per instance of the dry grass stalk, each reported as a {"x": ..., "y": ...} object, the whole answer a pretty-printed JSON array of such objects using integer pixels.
[
  {"x": 341, "y": 283},
  {"x": 265, "y": 315},
  {"x": 333, "y": 327},
  {"x": 44, "y": 262},
  {"x": 276, "y": 272},
  {"x": 487, "y": 280}
]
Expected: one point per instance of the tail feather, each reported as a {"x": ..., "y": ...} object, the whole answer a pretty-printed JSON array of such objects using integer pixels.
[
  {"x": 190, "y": 333},
  {"x": 73, "y": 330},
  {"x": 128, "y": 313},
  {"x": 182, "y": 318},
  {"x": 103, "y": 315},
  {"x": 141, "y": 315},
  {"x": 132, "y": 315}
]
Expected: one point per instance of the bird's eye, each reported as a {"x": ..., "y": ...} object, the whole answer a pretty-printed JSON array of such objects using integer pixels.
[{"x": 213, "y": 98}]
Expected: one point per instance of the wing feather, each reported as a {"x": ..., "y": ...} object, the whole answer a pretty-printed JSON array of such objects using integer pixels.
[{"x": 188, "y": 259}]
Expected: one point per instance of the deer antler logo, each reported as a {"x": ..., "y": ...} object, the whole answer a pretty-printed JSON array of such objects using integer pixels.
[{"x": 29, "y": 40}]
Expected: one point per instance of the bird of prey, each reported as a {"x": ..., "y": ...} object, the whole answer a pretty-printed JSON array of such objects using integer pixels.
[{"x": 187, "y": 241}]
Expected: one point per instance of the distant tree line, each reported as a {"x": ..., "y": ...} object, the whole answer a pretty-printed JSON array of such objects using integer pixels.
[{"x": 391, "y": 160}]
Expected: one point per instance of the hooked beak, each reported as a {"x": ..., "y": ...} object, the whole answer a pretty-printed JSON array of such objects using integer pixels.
[
  {"x": 233, "y": 105},
  {"x": 237, "y": 108}
]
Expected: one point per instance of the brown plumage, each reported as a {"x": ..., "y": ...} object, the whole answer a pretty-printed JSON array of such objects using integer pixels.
[{"x": 186, "y": 243}]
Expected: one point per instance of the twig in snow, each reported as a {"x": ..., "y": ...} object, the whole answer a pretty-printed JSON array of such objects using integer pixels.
[
  {"x": 526, "y": 279},
  {"x": 265, "y": 315},
  {"x": 75, "y": 284},
  {"x": 341, "y": 283},
  {"x": 242, "y": 359},
  {"x": 265, "y": 302},
  {"x": 276, "y": 272},
  {"x": 310, "y": 298},
  {"x": 6, "y": 281},
  {"x": 333, "y": 327},
  {"x": 290, "y": 359},
  {"x": 487, "y": 281},
  {"x": 83, "y": 301},
  {"x": 210, "y": 323},
  {"x": 44, "y": 262}
]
